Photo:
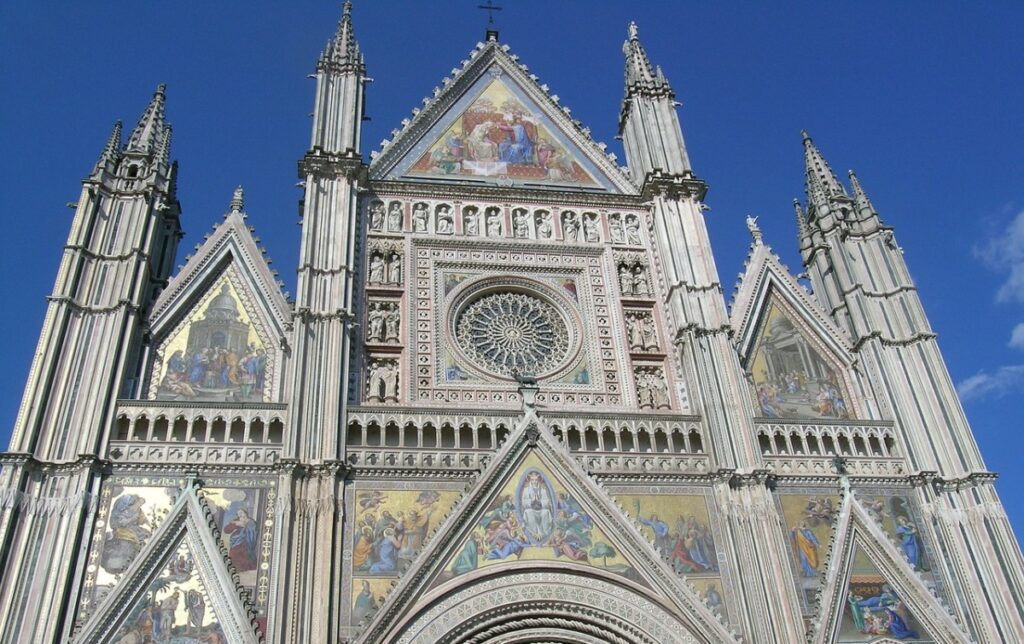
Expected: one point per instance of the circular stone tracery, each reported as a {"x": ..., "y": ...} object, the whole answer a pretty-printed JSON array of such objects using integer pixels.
[{"x": 512, "y": 333}]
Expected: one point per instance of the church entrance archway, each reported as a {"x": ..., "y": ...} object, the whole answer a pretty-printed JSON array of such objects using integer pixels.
[{"x": 544, "y": 607}]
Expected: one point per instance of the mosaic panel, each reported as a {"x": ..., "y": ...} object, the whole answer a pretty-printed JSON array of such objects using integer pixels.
[
  {"x": 221, "y": 350},
  {"x": 792, "y": 378},
  {"x": 536, "y": 518},
  {"x": 175, "y": 609},
  {"x": 873, "y": 611}
]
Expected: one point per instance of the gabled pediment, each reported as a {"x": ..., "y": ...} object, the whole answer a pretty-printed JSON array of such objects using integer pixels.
[
  {"x": 799, "y": 363},
  {"x": 534, "y": 512},
  {"x": 181, "y": 584},
  {"x": 493, "y": 124},
  {"x": 225, "y": 307},
  {"x": 871, "y": 593}
]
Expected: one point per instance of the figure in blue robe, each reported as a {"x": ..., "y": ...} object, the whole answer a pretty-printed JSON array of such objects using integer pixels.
[
  {"x": 518, "y": 148},
  {"x": 906, "y": 532},
  {"x": 898, "y": 628}
]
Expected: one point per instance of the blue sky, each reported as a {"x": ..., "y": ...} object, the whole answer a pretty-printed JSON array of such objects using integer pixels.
[{"x": 922, "y": 99}]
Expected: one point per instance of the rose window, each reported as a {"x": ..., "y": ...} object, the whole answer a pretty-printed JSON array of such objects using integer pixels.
[{"x": 511, "y": 333}]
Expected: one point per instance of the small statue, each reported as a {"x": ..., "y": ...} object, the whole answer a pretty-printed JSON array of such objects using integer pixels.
[
  {"x": 633, "y": 231},
  {"x": 375, "y": 324},
  {"x": 755, "y": 231},
  {"x": 648, "y": 333},
  {"x": 570, "y": 227},
  {"x": 659, "y": 390},
  {"x": 377, "y": 216},
  {"x": 471, "y": 222},
  {"x": 644, "y": 390},
  {"x": 615, "y": 227},
  {"x": 390, "y": 379},
  {"x": 634, "y": 332},
  {"x": 640, "y": 286},
  {"x": 590, "y": 232},
  {"x": 493, "y": 223},
  {"x": 625, "y": 280},
  {"x": 445, "y": 223},
  {"x": 544, "y": 225},
  {"x": 520, "y": 225},
  {"x": 395, "y": 217},
  {"x": 420, "y": 217},
  {"x": 394, "y": 268},
  {"x": 375, "y": 386},
  {"x": 391, "y": 323},
  {"x": 376, "y": 275}
]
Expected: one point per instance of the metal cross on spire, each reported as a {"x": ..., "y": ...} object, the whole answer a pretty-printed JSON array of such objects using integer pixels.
[{"x": 490, "y": 8}]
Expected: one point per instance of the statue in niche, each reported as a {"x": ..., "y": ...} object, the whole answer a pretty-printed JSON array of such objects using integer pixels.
[
  {"x": 625, "y": 280},
  {"x": 445, "y": 222},
  {"x": 648, "y": 333},
  {"x": 634, "y": 332},
  {"x": 375, "y": 323},
  {"x": 376, "y": 272},
  {"x": 391, "y": 380},
  {"x": 520, "y": 224},
  {"x": 633, "y": 231},
  {"x": 590, "y": 232},
  {"x": 376, "y": 389},
  {"x": 570, "y": 227},
  {"x": 377, "y": 216},
  {"x": 395, "y": 217},
  {"x": 640, "y": 286},
  {"x": 394, "y": 268},
  {"x": 471, "y": 222},
  {"x": 615, "y": 227},
  {"x": 493, "y": 222},
  {"x": 544, "y": 225},
  {"x": 391, "y": 323},
  {"x": 420, "y": 218},
  {"x": 652, "y": 392},
  {"x": 659, "y": 389}
]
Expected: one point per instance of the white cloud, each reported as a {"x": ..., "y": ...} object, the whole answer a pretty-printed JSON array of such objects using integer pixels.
[
  {"x": 997, "y": 384},
  {"x": 1017, "y": 336},
  {"x": 1006, "y": 253}
]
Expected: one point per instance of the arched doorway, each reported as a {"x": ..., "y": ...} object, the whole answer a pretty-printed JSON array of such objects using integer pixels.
[{"x": 537, "y": 607}]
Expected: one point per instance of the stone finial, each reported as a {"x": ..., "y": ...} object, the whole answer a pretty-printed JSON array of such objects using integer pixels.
[
  {"x": 755, "y": 231},
  {"x": 238, "y": 200}
]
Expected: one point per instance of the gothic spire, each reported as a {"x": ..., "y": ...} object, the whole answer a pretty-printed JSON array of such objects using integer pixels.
[
  {"x": 859, "y": 196},
  {"x": 641, "y": 76},
  {"x": 112, "y": 150},
  {"x": 342, "y": 50},
  {"x": 152, "y": 132},
  {"x": 821, "y": 182}
]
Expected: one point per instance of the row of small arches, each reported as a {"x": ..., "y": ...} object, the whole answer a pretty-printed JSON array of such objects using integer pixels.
[
  {"x": 427, "y": 435},
  {"x": 676, "y": 440},
  {"x": 200, "y": 430},
  {"x": 795, "y": 443}
]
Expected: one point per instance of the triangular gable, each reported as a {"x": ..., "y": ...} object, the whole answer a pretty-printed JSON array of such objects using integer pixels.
[
  {"x": 616, "y": 552},
  {"x": 766, "y": 276},
  {"x": 227, "y": 273},
  {"x": 799, "y": 362},
  {"x": 494, "y": 125},
  {"x": 180, "y": 584},
  {"x": 870, "y": 593}
]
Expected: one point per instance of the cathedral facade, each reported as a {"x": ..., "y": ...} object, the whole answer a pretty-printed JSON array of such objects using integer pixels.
[{"x": 509, "y": 402}]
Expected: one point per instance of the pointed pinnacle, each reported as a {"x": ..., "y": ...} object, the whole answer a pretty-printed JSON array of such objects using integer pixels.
[
  {"x": 151, "y": 124},
  {"x": 820, "y": 180},
  {"x": 112, "y": 149},
  {"x": 859, "y": 195},
  {"x": 802, "y": 228},
  {"x": 343, "y": 48},
  {"x": 639, "y": 71},
  {"x": 238, "y": 200}
]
